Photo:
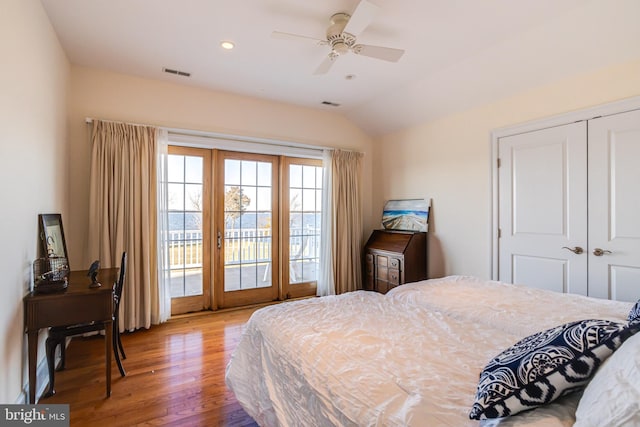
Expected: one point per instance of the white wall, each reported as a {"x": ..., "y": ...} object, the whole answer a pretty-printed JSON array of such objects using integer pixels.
[
  {"x": 33, "y": 160},
  {"x": 449, "y": 159},
  {"x": 105, "y": 95}
]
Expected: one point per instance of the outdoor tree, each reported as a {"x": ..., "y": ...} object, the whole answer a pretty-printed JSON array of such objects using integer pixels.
[
  {"x": 195, "y": 199},
  {"x": 235, "y": 202}
]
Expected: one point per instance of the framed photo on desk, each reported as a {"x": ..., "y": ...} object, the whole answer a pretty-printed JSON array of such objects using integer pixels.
[{"x": 52, "y": 239}]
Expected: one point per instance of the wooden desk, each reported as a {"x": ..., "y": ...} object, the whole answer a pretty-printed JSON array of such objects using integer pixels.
[{"x": 77, "y": 304}]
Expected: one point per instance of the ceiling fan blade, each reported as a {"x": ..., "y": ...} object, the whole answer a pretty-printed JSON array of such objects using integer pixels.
[
  {"x": 361, "y": 18},
  {"x": 289, "y": 36},
  {"x": 325, "y": 65},
  {"x": 378, "y": 52}
]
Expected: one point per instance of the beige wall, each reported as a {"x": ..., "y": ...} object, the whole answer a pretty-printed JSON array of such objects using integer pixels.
[
  {"x": 105, "y": 95},
  {"x": 33, "y": 160},
  {"x": 449, "y": 159}
]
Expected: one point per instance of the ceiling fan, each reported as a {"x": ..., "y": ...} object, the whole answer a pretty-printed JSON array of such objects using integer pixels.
[{"x": 341, "y": 37}]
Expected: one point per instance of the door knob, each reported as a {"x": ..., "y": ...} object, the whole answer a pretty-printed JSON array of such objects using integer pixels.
[
  {"x": 600, "y": 252},
  {"x": 577, "y": 250}
]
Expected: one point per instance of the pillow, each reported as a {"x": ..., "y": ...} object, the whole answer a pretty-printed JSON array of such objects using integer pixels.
[
  {"x": 545, "y": 366},
  {"x": 634, "y": 314},
  {"x": 612, "y": 397}
]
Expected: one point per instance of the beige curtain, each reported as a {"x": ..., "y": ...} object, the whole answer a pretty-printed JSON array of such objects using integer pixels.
[
  {"x": 347, "y": 220},
  {"x": 122, "y": 213}
]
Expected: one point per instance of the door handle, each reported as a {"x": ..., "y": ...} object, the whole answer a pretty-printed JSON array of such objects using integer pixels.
[
  {"x": 600, "y": 252},
  {"x": 219, "y": 240},
  {"x": 577, "y": 250}
]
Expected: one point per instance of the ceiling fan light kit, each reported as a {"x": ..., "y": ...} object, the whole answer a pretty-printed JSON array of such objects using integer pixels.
[
  {"x": 338, "y": 23},
  {"x": 342, "y": 34}
]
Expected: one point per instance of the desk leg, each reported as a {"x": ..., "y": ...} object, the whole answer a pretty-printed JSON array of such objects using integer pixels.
[
  {"x": 32, "y": 343},
  {"x": 108, "y": 346}
]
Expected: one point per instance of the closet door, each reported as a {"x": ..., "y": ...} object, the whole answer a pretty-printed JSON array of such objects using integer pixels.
[
  {"x": 542, "y": 208},
  {"x": 614, "y": 206}
]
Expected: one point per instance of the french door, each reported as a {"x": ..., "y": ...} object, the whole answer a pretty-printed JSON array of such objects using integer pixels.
[
  {"x": 189, "y": 198},
  {"x": 247, "y": 220},
  {"x": 244, "y": 228},
  {"x": 301, "y": 219}
]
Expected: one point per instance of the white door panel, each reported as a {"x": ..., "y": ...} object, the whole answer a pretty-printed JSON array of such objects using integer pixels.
[
  {"x": 543, "y": 200},
  {"x": 539, "y": 195},
  {"x": 624, "y": 280},
  {"x": 543, "y": 273},
  {"x": 614, "y": 206}
]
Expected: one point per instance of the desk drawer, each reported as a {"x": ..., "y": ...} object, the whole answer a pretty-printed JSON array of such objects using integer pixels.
[
  {"x": 382, "y": 273},
  {"x": 394, "y": 276},
  {"x": 395, "y": 263},
  {"x": 69, "y": 310},
  {"x": 382, "y": 261}
]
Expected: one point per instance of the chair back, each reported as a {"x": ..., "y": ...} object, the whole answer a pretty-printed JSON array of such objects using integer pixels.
[{"x": 117, "y": 291}]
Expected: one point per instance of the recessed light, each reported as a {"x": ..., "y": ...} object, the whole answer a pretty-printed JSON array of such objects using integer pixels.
[{"x": 226, "y": 44}]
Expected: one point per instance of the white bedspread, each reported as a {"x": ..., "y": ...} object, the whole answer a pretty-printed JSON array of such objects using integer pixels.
[
  {"x": 513, "y": 308},
  {"x": 366, "y": 359}
]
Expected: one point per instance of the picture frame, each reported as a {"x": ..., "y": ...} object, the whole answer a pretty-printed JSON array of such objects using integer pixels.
[
  {"x": 53, "y": 243},
  {"x": 406, "y": 215}
]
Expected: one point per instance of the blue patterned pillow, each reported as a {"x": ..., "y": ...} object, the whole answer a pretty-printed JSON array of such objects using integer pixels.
[
  {"x": 545, "y": 366},
  {"x": 634, "y": 314}
]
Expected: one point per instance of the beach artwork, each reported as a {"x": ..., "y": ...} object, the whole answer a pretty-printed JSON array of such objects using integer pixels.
[{"x": 406, "y": 215}]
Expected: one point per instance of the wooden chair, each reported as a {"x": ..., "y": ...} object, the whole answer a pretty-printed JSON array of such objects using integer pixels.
[{"x": 58, "y": 334}]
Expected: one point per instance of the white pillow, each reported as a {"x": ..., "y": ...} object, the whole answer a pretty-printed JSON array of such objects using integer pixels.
[{"x": 612, "y": 397}]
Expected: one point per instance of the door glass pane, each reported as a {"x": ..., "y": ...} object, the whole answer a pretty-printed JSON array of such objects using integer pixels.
[
  {"x": 247, "y": 225},
  {"x": 295, "y": 176},
  {"x": 305, "y": 192},
  {"x": 264, "y": 174},
  {"x": 264, "y": 198},
  {"x": 250, "y": 193},
  {"x": 232, "y": 172},
  {"x": 309, "y": 177},
  {"x": 176, "y": 197},
  {"x": 309, "y": 200},
  {"x": 185, "y": 224},
  {"x": 193, "y": 169},
  {"x": 295, "y": 199},
  {"x": 175, "y": 168},
  {"x": 193, "y": 198},
  {"x": 248, "y": 172},
  {"x": 249, "y": 276}
]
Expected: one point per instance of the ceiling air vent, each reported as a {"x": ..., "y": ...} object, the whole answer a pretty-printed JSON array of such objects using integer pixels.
[
  {"x": 332, "y": 104},
  {"x": 176, "y": 72}
]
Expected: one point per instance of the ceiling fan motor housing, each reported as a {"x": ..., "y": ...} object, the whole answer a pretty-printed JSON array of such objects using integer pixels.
[{"x": 340, "y": 42}]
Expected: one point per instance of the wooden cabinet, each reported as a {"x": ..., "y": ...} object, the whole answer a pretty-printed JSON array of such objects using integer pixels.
[{"x": 393, "y": 258}]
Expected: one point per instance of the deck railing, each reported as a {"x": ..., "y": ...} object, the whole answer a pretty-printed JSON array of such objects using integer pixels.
[{"x": 185, "y": 247}]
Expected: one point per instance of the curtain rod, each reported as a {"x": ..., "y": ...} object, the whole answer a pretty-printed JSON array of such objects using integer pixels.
[{"x": 189, "y": 132}]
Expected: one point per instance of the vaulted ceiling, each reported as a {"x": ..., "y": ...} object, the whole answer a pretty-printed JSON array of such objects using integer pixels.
[{"x": 458, "y": 53}]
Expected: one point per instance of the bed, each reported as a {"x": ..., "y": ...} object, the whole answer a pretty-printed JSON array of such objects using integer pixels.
[{"x": 411, "y": 357}]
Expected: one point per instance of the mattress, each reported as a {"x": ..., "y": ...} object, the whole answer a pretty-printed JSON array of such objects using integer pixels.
[{"x": 408, "y": 358}]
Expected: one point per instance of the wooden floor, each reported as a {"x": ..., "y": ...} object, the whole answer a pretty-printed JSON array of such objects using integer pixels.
[{"x": 175, "y": 376}]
